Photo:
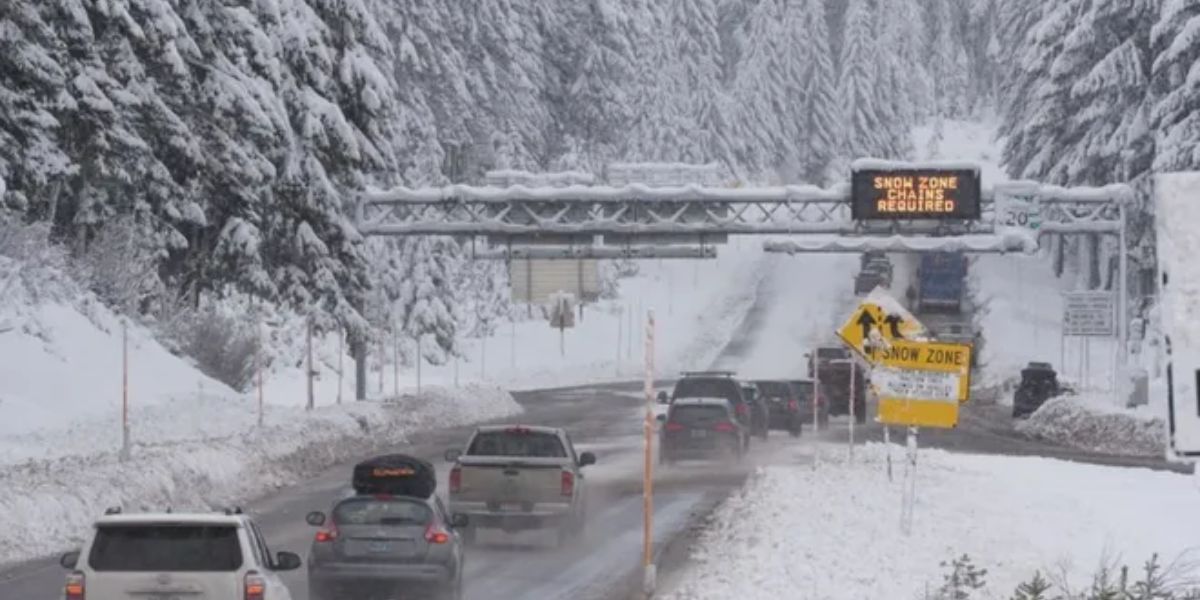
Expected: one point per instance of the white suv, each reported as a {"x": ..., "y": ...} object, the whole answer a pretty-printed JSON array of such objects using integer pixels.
[{"x": 164, "y": 556}]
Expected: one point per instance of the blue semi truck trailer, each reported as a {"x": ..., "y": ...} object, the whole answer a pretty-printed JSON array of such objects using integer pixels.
[{"x": 941, "y": 282}]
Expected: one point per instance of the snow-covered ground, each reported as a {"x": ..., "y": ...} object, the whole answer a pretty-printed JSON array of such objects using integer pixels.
[
  {"x": 833, "y": 531},
  {"x": 697, "y": 305}
]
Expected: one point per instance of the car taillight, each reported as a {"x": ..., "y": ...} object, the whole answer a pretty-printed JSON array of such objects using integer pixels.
[
  {"x": 434, "y": 534},
  {"x": 793, "y": 405},
  {"x": 455, "y": 479},
  {"x": 674, "y": 426},
  {"x": 75, "y": 588},
  {"x": 255, "y": 586},
  {"x": 327, "y": 535},
  {"x": 724, "y": 426},
  {"x": 742, "y": 409},
  {"x": 568, "y": 483}
]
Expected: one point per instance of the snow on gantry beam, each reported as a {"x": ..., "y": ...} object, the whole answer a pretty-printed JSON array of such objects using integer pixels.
[
  {"x": 597, "y": 252},
  {"x": 600, "y": 193},
  {"x": 1013, "y": 241}
]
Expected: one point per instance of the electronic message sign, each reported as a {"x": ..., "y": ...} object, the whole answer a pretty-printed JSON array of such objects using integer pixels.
[{"x": 950, "y": 194}]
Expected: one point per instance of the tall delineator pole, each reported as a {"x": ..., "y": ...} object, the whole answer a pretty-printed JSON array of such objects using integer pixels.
[
  {"x": 125, "y": 449},
  {"x": 649, "y": 571},
  {"x": 1122, "y": 306}
]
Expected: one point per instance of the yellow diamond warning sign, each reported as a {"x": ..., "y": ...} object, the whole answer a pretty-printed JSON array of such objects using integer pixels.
[{"x": 878, "y": 321}]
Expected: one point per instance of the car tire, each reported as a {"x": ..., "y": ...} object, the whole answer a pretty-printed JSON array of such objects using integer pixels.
[{"x": 316, "y": 591}]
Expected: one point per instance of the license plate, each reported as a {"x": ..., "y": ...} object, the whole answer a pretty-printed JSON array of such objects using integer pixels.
[
  {"x": 511, "y": 507},
  {"x": 379, "y": 547},
  {"x": 699, "y": 433}
]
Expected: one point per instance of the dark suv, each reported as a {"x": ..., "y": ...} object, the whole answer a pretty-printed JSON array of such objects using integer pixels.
[
  {"x": 700, "y": 428},
  {"x": 751, "y": 411},
  {"x": 783, "y": 405},
  {"x": 1039, "y": 383}
]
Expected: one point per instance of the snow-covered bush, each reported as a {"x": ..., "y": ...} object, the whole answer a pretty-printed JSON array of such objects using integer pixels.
[
  {"x": 1071, "y": 421},
  {"x": 223, "y": 343}
]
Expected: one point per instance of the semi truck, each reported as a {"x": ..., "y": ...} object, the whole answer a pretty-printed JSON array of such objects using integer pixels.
[{"x": 941, "y": 282}]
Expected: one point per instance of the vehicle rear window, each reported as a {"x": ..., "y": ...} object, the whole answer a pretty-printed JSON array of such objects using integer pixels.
[
  {"x": 376, "y": 511},
  {"x": 803, "y": 389},
  {"x": 517, "y": 443},
  {"x": 166, "y": 547},
  {"x": 693, "y": 415},
  {"x": 706, "y": 388},
  {"x": 774, "y": 389}
]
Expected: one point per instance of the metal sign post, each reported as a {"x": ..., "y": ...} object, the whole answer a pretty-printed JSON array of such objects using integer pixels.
[
  {"x": 853, "y": 401},
  {"x": 649, "y": 570}
]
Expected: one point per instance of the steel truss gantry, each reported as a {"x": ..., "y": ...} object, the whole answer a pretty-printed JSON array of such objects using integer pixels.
[{"x": 642, "y": 212}]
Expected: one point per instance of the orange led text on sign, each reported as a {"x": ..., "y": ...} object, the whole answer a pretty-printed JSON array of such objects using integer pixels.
[{"x": 900, "y": 194}]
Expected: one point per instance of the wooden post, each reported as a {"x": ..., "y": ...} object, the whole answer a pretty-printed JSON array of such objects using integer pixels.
[
  {"x": 125, "y": 443},
  {"x": 649, "y": 571},
  {"x": 309, "y": 363}
]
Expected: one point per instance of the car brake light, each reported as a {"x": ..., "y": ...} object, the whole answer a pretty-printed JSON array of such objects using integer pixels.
[
  {"x": 434, "y": 534},
  {"x": 455, "y": 479},
  {"x": 568, "y": 483},
  {"x": 75, "y": 589},
  {"x": 793, "y": 405},
  {"x": 327, "y": 535},
  {"x": 671, "y": 426},
  {"x": 724, "y": 426},
  {"x": 256, "y": 586},
  {"x": 517, "y": 429}
]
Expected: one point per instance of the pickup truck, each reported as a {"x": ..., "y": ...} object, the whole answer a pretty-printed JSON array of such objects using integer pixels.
[{"x": 519, "y": 477}]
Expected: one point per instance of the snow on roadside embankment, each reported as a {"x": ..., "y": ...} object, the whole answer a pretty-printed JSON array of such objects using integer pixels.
[
  {"x": 50, "y": 503},
  {"x": 832, "y": 533},
  {"x": 1095, "y": 425}
]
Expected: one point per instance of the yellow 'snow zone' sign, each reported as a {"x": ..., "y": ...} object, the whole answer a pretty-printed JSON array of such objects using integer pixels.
[{"x": 929, "y": 356}]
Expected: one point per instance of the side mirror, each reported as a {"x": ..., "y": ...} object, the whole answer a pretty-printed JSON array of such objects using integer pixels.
[
  {"x": 315, "y": 518},
  {"x": 662, "y": 418},
  {"x": 663, "y": 398},
  {"x": 458, "y": 520},
  {"x": 452, "y": 455},
  {"x": 287, "y": 561},
  {"x": 69, "y": 560},
  {"x": 587, "y": 458}
]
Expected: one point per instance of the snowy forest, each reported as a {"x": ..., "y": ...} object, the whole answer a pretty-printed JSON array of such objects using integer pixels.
[{"x": 221, "y": 144}]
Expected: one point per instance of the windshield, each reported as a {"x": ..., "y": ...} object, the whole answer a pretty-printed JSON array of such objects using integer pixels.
[
  {"x": 374, "y": 511},
  {"x": 698, "y": 415},
  {"x": 774, "y": 389},
  {"x": 517, "y": 443},
  {"x": 167, "y": 547}
]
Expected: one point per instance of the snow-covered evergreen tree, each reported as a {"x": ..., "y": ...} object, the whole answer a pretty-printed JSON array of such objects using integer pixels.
[
  {"x": 858, "y": 82},
  {"x": 820, "y": 111},
  {"x": 1174, "y": 110}
]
